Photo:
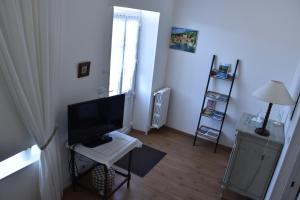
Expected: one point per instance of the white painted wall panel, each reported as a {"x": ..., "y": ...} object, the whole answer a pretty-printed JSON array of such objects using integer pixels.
[
  {"x": 266, "y": 42},
  {"x": 145, "y": 69}
]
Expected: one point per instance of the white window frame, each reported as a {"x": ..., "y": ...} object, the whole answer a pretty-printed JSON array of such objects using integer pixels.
[{"x": 126, "y": 13}]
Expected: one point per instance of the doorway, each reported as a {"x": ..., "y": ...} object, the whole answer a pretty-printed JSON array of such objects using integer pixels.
[
  {"x": 128, "y": 57},
  {"x": 124, "y": 57}
]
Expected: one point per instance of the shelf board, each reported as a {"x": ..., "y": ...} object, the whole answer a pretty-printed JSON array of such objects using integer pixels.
[
  {"x": 217, "y": 96},
  {"x": 208, "y": 133},
  {"x": 214, "y": 74},
  {"x": 213, "y": 114}
]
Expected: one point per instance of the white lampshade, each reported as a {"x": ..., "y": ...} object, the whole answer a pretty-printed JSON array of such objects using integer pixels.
[{"x": 274, "y": 92}]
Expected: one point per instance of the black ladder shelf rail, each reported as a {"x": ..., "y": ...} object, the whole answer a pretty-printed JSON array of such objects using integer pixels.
[
  {"x": 203, "y": 103},
  {"x": 219, "y": 131}
]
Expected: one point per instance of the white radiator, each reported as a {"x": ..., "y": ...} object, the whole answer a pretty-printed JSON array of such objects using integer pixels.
[{"x": 160, "y": 107}]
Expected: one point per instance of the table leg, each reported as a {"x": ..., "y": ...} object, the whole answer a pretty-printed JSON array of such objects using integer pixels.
[
  {"x": 105, "y": 182},
  {"x": 73, "y": 169},
  {"x": 129, "y": 169},
  {"x": 222, "y": 191}
]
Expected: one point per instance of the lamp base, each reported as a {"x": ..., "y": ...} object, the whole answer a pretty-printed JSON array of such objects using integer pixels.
[{"x": 262, "y": 132}]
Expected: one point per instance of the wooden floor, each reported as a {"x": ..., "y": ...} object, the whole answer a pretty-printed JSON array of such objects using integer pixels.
[{"x": 185, "y": 173}]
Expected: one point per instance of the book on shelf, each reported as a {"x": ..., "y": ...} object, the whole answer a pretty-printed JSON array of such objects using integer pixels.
[
  {"x": 208, "y": 112},
  {"x": 206, "y": 131},
  {"x": 218, "y": 115},
  {"x": 213, "y": 134},
  {"x": 211, "y": 104},
  {"x": 217, "y": 96},
  {"x": 223, "y": 98},
  {"x": 213, "y": 95}
]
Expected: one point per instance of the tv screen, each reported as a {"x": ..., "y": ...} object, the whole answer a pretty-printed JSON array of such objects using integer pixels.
[{"x": 89, "y": 121}]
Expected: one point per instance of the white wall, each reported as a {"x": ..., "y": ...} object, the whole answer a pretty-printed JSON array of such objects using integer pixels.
[
  {"x": 261, "y": 44},
  {"x": 263, "y": 34},
  {"x": 145, "y": 69},
  {"x": 87, "y": 27},
  {"x": 15, "y": 139},
  {"x": 86, "y": 36},
  {"x": 21, "y": 185},
  {"x": 86, "y": 33}
]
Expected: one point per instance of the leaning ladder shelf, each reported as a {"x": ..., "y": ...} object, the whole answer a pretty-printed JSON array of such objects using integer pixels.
[{"x": 206, "y": 132}]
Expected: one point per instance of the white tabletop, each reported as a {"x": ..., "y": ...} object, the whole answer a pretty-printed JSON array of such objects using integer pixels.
[{"x": 111, "y": 152}]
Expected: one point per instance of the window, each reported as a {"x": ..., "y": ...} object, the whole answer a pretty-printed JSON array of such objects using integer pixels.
[
  {"x": 19, "y": 161},
  {"x": 125, "y": 35}
]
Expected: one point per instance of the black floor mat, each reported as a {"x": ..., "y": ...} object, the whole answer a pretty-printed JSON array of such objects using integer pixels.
[{"x": 143, "y": 160}]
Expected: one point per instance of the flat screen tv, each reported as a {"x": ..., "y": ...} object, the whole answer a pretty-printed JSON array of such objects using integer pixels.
[{"x": 89, "y": 121}]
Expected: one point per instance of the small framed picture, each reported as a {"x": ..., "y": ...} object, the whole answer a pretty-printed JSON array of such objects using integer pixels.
[
  {"x": 183, "y": 39},
  {"x": 83, "y": 69}
]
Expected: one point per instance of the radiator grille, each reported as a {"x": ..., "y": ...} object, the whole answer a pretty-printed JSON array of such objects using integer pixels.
[{"x": 160, "y": 107}]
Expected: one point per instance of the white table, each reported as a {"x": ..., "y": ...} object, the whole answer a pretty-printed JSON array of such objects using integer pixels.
[{"x": 107, "y": 154}]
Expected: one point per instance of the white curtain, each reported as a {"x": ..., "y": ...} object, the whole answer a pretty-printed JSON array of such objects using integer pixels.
[
  {"x": 29, "y": 53},
  {"x": 123, "y": 52}
]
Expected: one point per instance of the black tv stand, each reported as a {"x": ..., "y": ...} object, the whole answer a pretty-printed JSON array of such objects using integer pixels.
[{"x": 97, "y": 141}]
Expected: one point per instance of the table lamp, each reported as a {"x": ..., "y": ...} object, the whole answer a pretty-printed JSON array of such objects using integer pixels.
[{"x": 273, "y": 92}]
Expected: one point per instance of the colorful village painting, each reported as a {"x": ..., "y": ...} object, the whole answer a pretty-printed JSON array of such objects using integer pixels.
[{"x": 183, "y": 39}]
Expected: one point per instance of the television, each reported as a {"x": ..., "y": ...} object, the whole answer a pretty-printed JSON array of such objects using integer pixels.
[{"x": 90, "y": 121}]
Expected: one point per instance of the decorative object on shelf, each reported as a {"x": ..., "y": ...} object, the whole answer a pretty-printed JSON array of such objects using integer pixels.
[
  {"x": 223, "y": 71},
  {"x": 210, "y": 133},
  {"x": 213, "y": 114},
  {"x": 220, "y": 75},
  {"x": 211, "y": 104},
  {"x": 210, "y": 111},
  {"x": 295, "y": 106},
  {"x": 273, "y": 92},
  {"x": 83, "y": 69},
  {"x": 183, "y": 39},
  {"x": 217, "y": 96}
]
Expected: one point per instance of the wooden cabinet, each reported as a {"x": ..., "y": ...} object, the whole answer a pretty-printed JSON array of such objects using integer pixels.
[{"x": 253, "y": 158}]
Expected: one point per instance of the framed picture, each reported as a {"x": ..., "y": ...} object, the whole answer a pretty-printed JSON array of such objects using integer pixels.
[
  {"x": 83, "y": 69},
  {"x": 183, "y": 39}
]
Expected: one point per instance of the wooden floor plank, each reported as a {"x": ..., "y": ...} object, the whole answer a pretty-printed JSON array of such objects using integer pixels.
[{"x": 185, "y": 173}]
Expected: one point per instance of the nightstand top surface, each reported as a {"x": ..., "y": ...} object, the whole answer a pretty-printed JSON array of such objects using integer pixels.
[{"x": 247, "y": 126}]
